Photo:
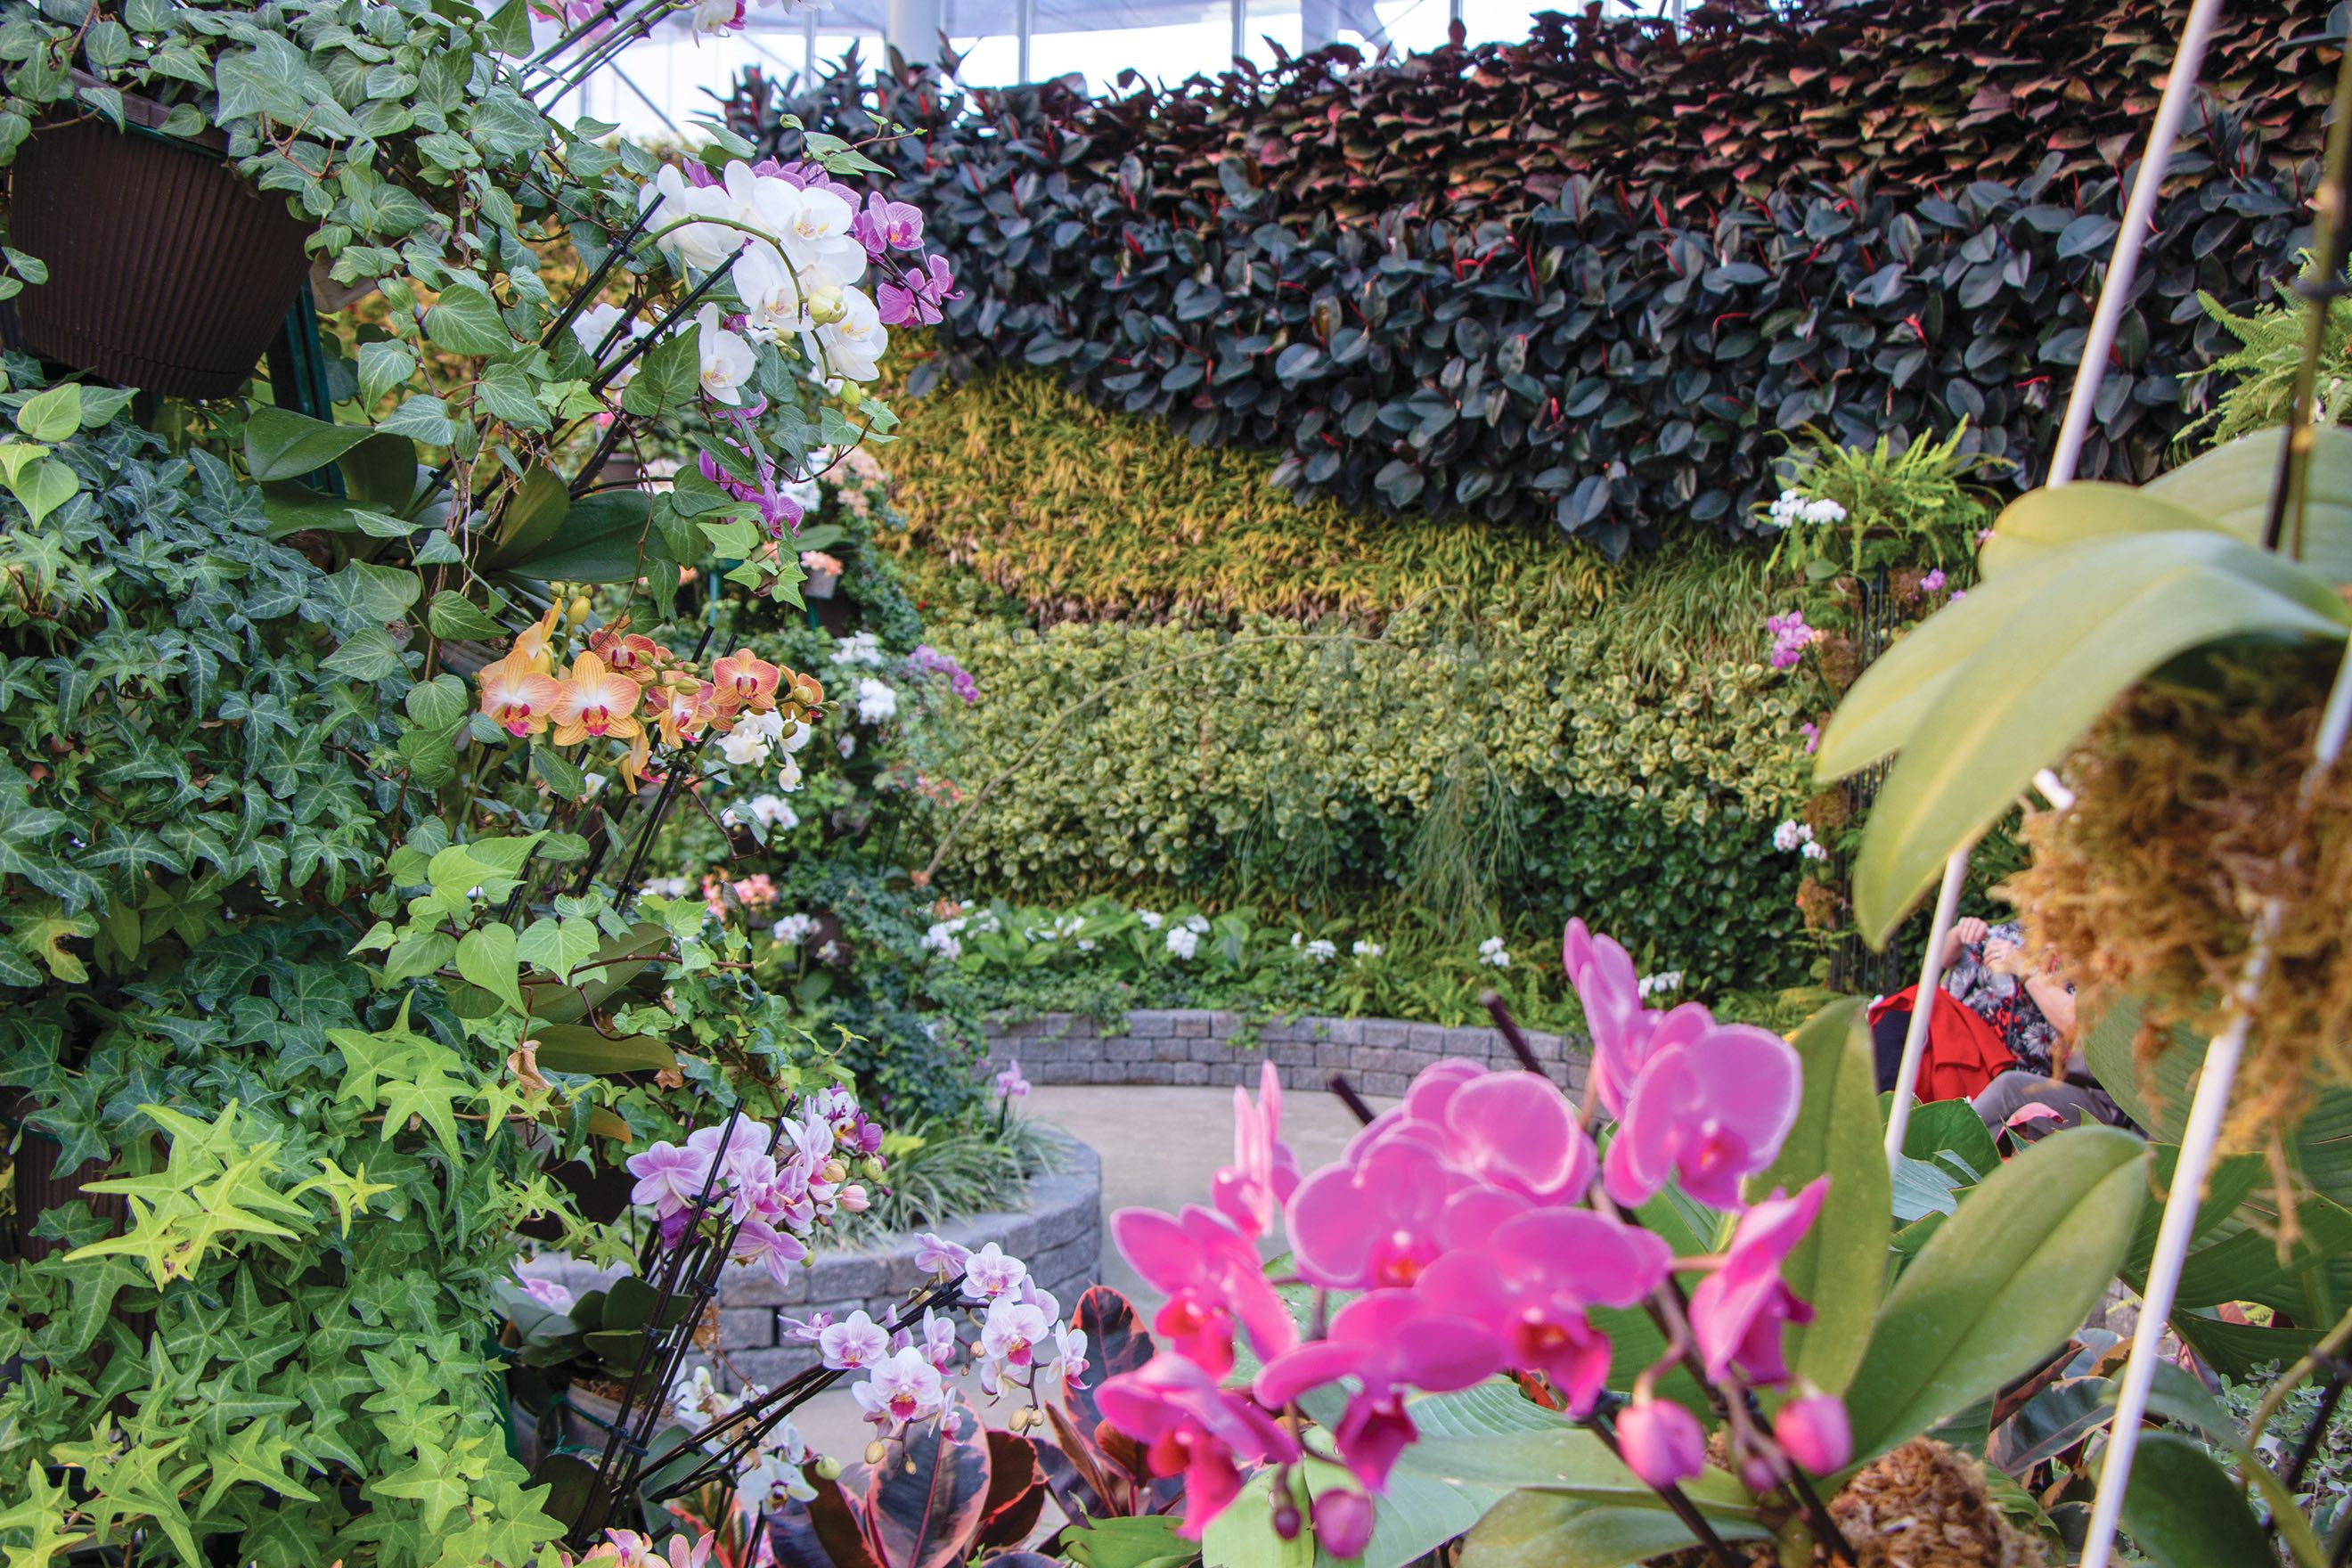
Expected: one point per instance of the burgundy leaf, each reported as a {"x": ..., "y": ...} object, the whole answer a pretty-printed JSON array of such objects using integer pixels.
[
  {"x": 1116, "y": 1342},
  {"x": 1094, "y": 1480},
  {"x": 823, "y": 1532},
  {"x": 1016, "y": 1491},
  {"x": 923, "y": 1501}
]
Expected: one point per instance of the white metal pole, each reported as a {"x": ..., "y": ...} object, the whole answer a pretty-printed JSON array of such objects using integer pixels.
[
  {"x": 808, "y": 49},
  {"x": 1239, "y": 11},
  {"x": 1024, "y": 23},
  {"x": 2113, "y": 294},
  {"x": 2222, "y": 1056},
  {"x": 912, "y": 27}
]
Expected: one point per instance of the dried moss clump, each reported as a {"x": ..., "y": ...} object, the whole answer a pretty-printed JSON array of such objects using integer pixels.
[
  {"x": 2151, "y": 883},
  {"x": 1923, "y": 1506}
]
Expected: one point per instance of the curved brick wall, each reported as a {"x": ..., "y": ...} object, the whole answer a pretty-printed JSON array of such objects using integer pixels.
[{"x": 1380, "y": 1056}]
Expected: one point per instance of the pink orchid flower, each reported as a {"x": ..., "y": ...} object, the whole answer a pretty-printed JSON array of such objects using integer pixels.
[
  {"x": 1530, "y": 1283},
  {"x": 1711, "y": 1106},
  {"x": 1388, "y": 1341},
  {"x": 1372, "y": 1218},
  {"x": 1210, "y": 1272},
  {"x": 1191, "y": 1425},
  {"x": 1737, "y": 1312},
  {"x": 1815, "y": 1433},
  {"x": 1252, "y": 1190}
]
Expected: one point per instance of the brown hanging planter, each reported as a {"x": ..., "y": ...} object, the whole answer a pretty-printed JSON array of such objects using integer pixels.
[
  {"x": 166, "y": 270},
  {"x": 39, "y": 1188}
]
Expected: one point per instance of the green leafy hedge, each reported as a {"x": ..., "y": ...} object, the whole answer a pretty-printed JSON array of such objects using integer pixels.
[
  {"x": 1596, "y": 359},
  {"x": 1474, "y": 769}
]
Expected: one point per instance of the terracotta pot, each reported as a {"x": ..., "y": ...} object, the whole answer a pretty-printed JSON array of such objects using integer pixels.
[{"x": 166, "y": 270}]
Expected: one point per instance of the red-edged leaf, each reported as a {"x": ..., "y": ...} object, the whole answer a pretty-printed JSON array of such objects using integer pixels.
[
  {"x": 923, "y": 1501},
  {"x": 1023, "y": 1560},
  {"x": 823, "y": 1533},
  {"x": 1016, "y": 1491},
  {"x": 1087, "y": 1488},
  {"x": 1116, "y": 1342}
]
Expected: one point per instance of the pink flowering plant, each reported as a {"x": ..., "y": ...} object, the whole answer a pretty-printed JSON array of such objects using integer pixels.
[{"x": 1661, "y": 1294}]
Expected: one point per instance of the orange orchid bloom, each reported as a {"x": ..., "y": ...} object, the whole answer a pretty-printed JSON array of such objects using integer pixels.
[
  {"x": 632, "y": 768},
  {"x": 535, "y": 647},
  {"x": 625, "y": 653},
  {"x": 595, "y": 702},
  {"x": 686, "y": 712},
  {"x": 517, "y": 695},
  {"x": 745, "y": 681}
]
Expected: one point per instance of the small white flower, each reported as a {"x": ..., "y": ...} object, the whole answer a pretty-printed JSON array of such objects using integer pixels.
[
  {"x": 1792, "y": 835},
  {"x": 1322, "y": 951},
  {"x": 771, "y": 812},
  {"x": 595, "y": 324},
  {"x": 846, "y": 745},
  {"x": 1183, "y": 942},
  {"x": 859, "y": 648},
  {"x": 876, "y": 701},
  {"x": 1364, "y": 949},
  {"x": 1197, "y": 924},
  {"x": 788, "y": 777},
  {"x": 727, "y": 359},
  {"x": 941, "y": 939},
  {"x": 829, "y": 953},
  {"x": 1149, "y": 920},
  {"x": 1812, "y": 851},
  {"x": 1492, "y": 953},
  {"x": 1657, "y": 985},
  {"x": 793, "y": 930}
]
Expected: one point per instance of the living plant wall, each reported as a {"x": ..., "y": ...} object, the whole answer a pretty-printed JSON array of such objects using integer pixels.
[{"x": 1593, "y": 279}]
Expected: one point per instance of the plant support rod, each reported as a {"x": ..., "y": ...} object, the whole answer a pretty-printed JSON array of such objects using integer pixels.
[{"x": 2114, "y": 296}]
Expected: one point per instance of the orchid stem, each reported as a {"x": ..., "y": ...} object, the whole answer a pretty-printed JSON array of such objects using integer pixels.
[
  {"x": 1349, "y": 1096},
  {"x": 1676, "y": 1498}
]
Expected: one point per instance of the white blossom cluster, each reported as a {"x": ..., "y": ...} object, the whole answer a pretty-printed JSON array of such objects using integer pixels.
[{"x": 1794, "y": 508}]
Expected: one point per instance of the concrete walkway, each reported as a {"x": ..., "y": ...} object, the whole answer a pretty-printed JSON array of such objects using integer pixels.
[{"x": 1159, "y": 1147}]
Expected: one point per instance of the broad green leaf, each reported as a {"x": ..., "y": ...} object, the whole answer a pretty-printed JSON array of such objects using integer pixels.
[
  {"x": 1909, "y": 681},
  {"x": 43, "y": 488},
  {"x": 383, "y": 366},
  {"x": 2001, "y": 1282},
  {"x": 51, "y": 415},
  {"x": 452, "y": 615},
  {"x": 599, "y": 539},
  {"x": 2236, "y": 1350},
  {"x": 1839, "y": 1266},
  {"x": 421, "y": 416},
  {"x": 2228, "y": 1184},
  {"x": 1546, "y": 1530},
  {"x": 505, "y": 392},
  {"x": 281, "y": 444},
  {"x": 2041, "y": 521},
  {"x": 668, "y": 374},
  {"x": 487, "y": 957},
  {"x": 2185, "y": 1511},
  {"x": 369, "y": 654},
  {"x": 1242, "y": 1535},
  {"x": 558, "y": 946},
  {"x": 2231, "y": 487},
  {"x": 466, "y": 321},
  {"x": 577, "y": 1047},
  {"x": 2098, "y": 619},
  {"x": 533, "y": 514},
  {"x": 438, "y": 703}
]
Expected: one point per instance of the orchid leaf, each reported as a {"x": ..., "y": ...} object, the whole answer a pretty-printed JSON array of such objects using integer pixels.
[
  {"x": 2000, "y": 1284},
  {"x": 2100, "y": 618}
]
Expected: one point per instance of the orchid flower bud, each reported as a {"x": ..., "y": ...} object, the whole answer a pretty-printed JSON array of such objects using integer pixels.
[
  {"x": 1661, "y": 1442},
  {"x": 1343, "y": 1522},
  {"x": 826, "y": 306},
  {"x": 1815, "y": 1432}
]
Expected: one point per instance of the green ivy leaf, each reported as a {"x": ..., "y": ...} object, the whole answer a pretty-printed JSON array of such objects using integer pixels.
[
  {"x": 668, "y": 374},
  {"x": 466, "y": 321},
  {"x": 452, "y": 615},
  {"x": 281, "y": 444},
  {"x": 50, "y": 416},
  {"x": 487, "y": 956}
]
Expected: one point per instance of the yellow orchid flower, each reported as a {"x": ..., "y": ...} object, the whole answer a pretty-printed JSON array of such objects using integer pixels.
[
  {"x": 518, "y": 696},
  {"x": 595, "y": 702}
]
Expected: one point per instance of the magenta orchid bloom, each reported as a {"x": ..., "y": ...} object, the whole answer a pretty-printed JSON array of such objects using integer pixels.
[
  {"x": 1737, "y": 1312},
  {"x": 920, "y": 297},
  {"x": 670, "y": 1178},
  {"x": 1711, "y": 1106},
  {"x": 1609, "y": 986},
  {"x": 1211, "y": 1274},
  {"x": 1530, "y": 1283},
  {"x": 1373, "y": 1219},
  {"x": 1191, "y": 1425},
  {"x": 1388, "y": 1341},
  {"x": 1513, "y": 1130},
  {"x": 1252, "y": 1190}
]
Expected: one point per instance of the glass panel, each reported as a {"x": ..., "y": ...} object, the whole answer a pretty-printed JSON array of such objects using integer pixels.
[
  {"x": 1275, "y": 19},
  {"x": 993, "y": 61},
  {"x": 1495, "y": 22},
  {"x": 1167, "y": 40},
  {"x": 1405, "y": 26}
]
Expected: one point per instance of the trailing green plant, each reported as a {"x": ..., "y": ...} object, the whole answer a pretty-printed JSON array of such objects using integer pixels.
[
  {"x": 313, "y": 1180},
  {"x": 1605, "y": 356},
  {"x": 1851, "y": 510}
]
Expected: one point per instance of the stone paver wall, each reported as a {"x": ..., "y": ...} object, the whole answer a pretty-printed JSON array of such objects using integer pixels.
[{"x": 1380, "y": 1056}]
